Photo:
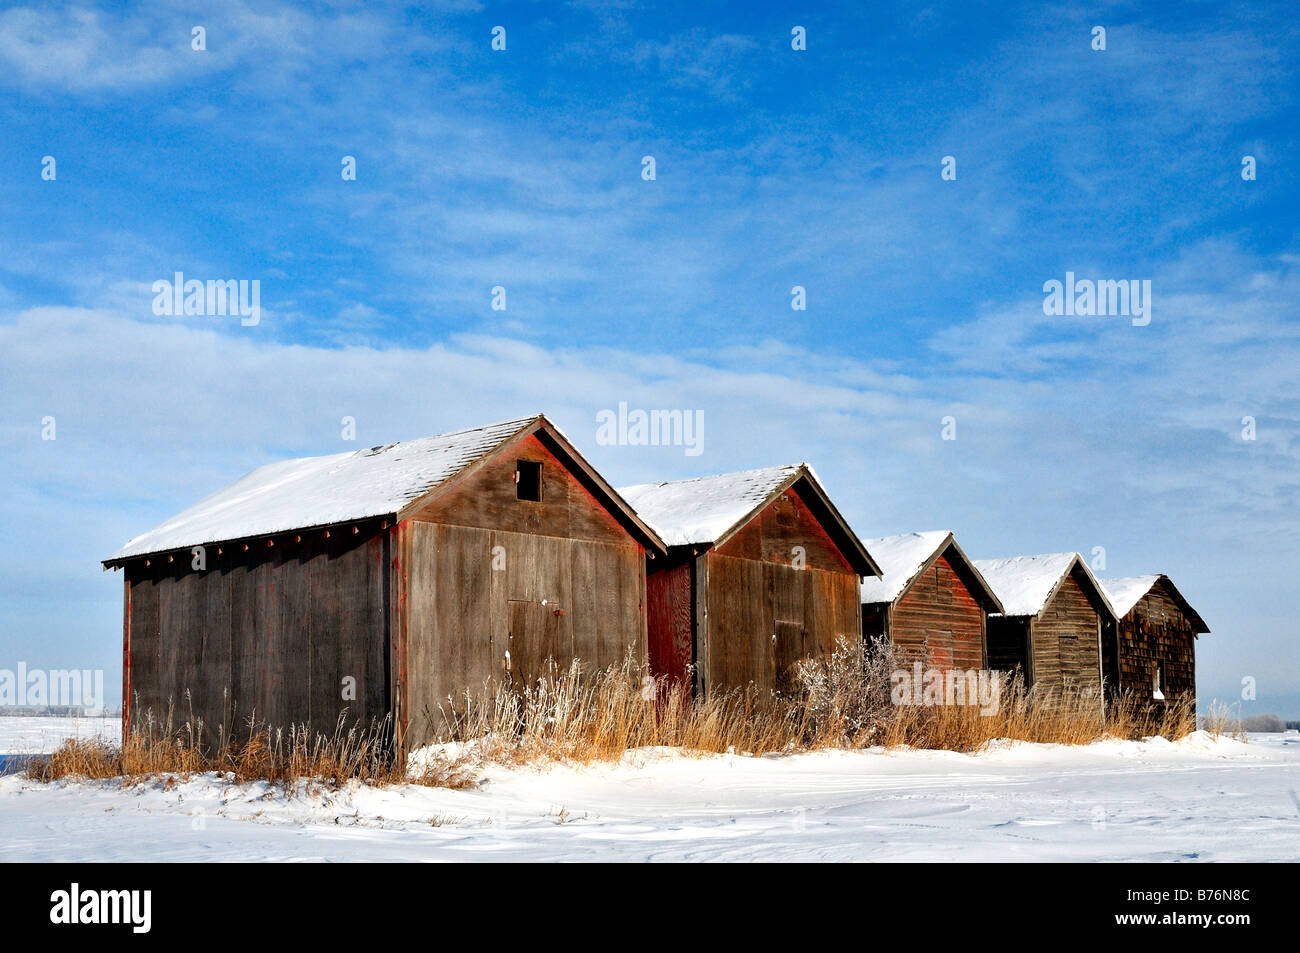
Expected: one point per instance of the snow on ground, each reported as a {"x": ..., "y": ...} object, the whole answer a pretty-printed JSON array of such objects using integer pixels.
[
  {"x": 43, "y": 734},
  {"x": 1198, "y": 799}
]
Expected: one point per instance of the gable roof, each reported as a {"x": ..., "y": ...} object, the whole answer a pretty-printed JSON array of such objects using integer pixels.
[
  {"x": 708, "y": 510},
  {"x": 1127, "y": 591},
  {"x": 904, "y": 557},
  {"x": 1026, "y": 584},
  {"x": 360, "y": 484}
]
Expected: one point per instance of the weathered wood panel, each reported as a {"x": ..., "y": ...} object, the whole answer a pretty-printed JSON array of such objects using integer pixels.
[
  {"x": 211, "y": 696},
  {"x": 145, "y": 647},
  {"x": 740, "y": 623},
  {"x": 485, "y": 497},
  {"x": 786, "y": 532},
  {"x": 747, "y": 599},
  {"x": 938, "y": 620},
  {"x": 348, "y": 675},
  {"x": 1066, "y": 634},
  {"x": 266, "y": 633},
  {"x": 399, "y": 617},
  {"x": 496, "y": 605}
]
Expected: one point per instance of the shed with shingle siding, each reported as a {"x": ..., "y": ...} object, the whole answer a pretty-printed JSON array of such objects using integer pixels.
[
  {"x": 1153, "y": 656},
  {"x": 374, "y": 584}
]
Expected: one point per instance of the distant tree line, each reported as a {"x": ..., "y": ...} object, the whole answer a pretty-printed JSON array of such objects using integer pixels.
[{"x": 1266, "y": 723}]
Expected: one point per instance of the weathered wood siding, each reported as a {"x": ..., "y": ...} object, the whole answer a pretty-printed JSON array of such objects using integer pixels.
[
  {"x": 493, "y": 586},
  {"x": 485, "y": 497},
  {"x": 938, "y": 621},
  {"x": 762, "y": 612},
  {"x": 1065, "y": 640},
  {"x": 270, "y": 633},
  {"x": 1156, "y": 632},
  {"x": 773, "y": 534}
]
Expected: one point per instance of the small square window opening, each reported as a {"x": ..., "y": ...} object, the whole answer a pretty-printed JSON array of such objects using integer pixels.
[{"x": 528, "y": 480}]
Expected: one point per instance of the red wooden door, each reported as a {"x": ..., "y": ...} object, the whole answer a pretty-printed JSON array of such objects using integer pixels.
[{"x": 668, "y": 623}]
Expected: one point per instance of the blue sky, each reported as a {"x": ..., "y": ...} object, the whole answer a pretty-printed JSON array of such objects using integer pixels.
[{"x": 774, "y": 168}]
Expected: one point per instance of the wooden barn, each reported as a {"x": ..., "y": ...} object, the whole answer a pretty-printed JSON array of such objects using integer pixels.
[
  {"x": 930, "y": 600},
  {"x": 762, "y": 570},
  {"x": 1153, "y": 652},
  {"x": 377, "y": 582},
  {"x": 1054, "y": 618}
]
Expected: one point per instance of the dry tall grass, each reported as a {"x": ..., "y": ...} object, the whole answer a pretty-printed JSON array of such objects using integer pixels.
[
  {"x": 280, "y": 756},
  {"x": 840, "y": 701}
]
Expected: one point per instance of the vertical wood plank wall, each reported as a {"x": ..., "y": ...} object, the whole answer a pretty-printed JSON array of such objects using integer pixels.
[
  {"x": 271, "y": 636},
  {"x": 761, "y": 611},
  {"x": 496, "y": 585},
  {"x": 670, "y": 632}
]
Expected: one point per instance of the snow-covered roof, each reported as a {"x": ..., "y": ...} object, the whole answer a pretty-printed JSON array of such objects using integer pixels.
[
  {"x": 900, "y": 558},
  {"x": 702, "y": 509},
  {"x": 1125, "y": 592},
  {"x": 319, "y": 491},
  {"x": 705, "y": 510},
  {"x": 1024, "y": 584}
]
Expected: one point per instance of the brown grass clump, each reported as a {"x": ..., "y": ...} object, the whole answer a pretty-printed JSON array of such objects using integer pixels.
[{"x": 280, "y": 756}]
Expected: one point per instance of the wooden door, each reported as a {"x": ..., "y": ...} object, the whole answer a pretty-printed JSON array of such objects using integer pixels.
[
  {"x": 669, "y": 623},
  {"x": 787, "y": 649},
  {"x": 534, "y": 641}
]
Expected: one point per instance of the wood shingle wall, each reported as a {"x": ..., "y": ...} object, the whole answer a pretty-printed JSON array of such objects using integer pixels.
[{"x": 1157, "y": 633}]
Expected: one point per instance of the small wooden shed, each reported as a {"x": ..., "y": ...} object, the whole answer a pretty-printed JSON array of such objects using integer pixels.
[
  {"x": 1153, "y": 654},
  {"x": 1053, "y": 620},
  {"x": 930, "y": 600},
  {"x": 762, "y": 571},
  {"x": 378, "y": 582}
]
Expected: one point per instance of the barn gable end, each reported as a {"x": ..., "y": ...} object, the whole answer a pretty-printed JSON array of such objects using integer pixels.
[
  {"x": 504, "y": 587},
  {"x": 1153, "y": 655},
  {"x": 931, "y": 602},
  {"x": 1055, "y": 620},
  {"x": 763, "y": 572}
]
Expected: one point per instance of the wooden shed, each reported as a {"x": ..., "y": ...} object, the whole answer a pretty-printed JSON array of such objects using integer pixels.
[
  {"x": 1153, "y": 653},
  {"x": 762, "y": 570},
  {"x": 1055, "y": 616},
  {"x": 930, "y": 600},
  {"x": 380, "y": 581}
]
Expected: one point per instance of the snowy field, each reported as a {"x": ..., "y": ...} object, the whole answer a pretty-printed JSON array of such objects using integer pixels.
[
  {"x": 43, "y": 734},
  {"x": 1197, "y": 800}
]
